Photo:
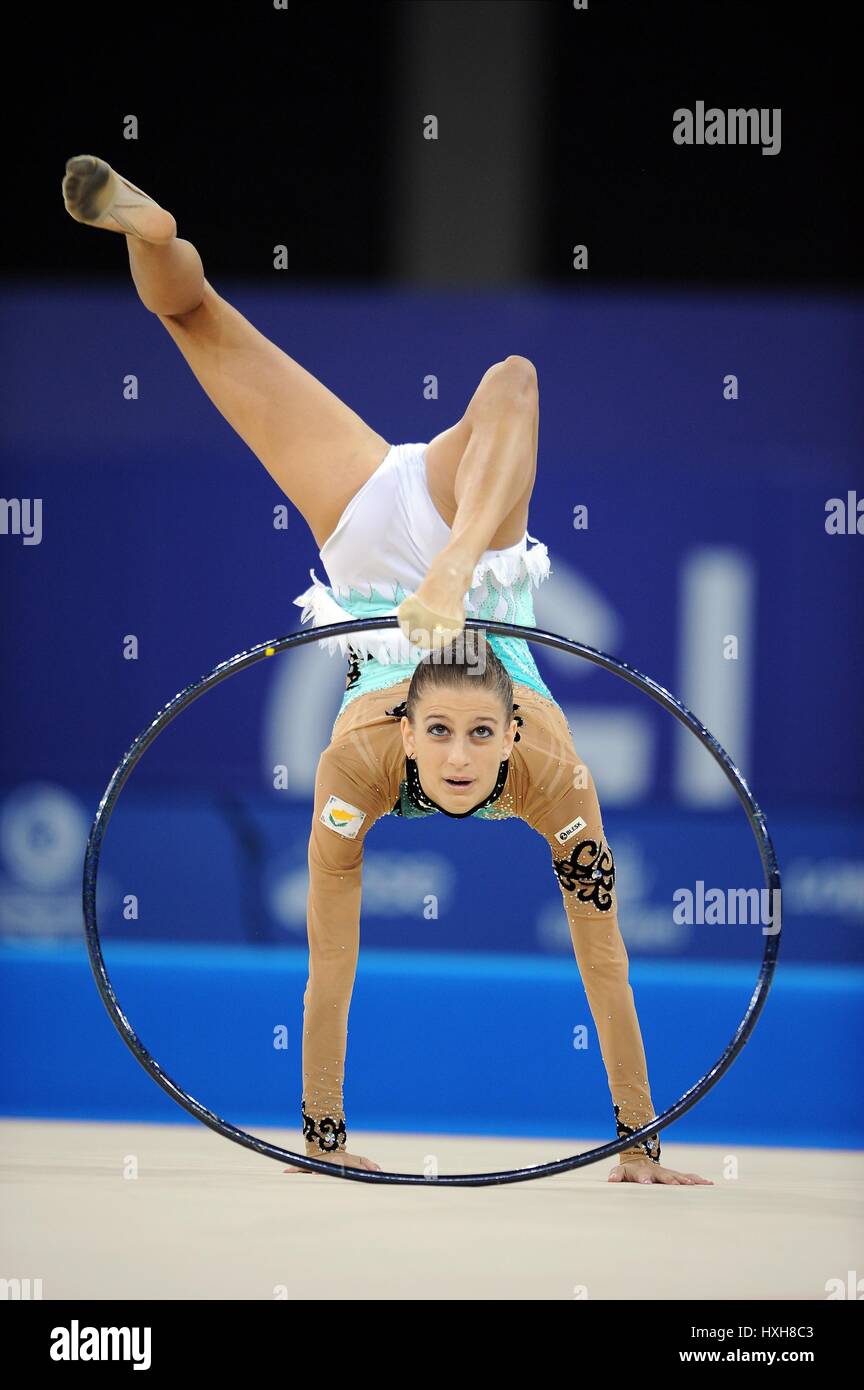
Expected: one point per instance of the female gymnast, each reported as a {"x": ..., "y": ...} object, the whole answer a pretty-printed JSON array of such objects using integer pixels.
[{"x": 436, "y": 718}]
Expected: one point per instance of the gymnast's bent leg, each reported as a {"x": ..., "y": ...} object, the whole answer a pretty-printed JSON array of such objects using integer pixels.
[{"x": 480, "y": 475}]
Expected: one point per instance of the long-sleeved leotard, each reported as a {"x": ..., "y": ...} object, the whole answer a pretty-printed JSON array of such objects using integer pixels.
[{"x": 362, "y": 775}]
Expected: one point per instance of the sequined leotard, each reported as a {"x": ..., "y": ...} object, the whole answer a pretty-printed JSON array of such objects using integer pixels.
[
  {"x": 364, "y": 775},
  {"x": 383, "y": 545}
]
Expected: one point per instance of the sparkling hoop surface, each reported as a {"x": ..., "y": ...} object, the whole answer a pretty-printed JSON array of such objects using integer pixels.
[{"x": 264, "y": 650}]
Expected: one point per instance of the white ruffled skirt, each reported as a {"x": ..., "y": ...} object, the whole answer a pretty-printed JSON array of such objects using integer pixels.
[{"x": 381, "y": 550}]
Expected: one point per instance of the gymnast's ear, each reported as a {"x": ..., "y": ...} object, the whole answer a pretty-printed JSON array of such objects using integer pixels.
[
  {"x": 511, "y": 734},
  {"x": 407, "y": 735},
  {"x": 510, "y": 737}
]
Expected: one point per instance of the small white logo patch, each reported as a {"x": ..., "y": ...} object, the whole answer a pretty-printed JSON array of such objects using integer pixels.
[
  {"x": 342, "y": 817},
  {"x": 568, "y": 831}
]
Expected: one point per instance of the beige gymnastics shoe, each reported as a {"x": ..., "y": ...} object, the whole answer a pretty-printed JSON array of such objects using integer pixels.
[
  {"x": 426, "y": 628},
  {"x": 94, "y": 193}
]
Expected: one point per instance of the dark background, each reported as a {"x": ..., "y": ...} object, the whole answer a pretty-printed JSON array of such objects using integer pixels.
[{"x": 304, "y": 126}]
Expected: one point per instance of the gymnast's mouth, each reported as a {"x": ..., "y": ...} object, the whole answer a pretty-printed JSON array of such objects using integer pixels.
[{"x": 459, "y": 783}]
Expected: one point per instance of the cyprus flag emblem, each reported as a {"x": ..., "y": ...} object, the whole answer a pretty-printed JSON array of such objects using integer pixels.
[{"x": 342, "y": 817}]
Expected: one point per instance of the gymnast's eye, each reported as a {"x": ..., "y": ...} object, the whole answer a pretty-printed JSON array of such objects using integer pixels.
[{"x": 479, "y": 729}]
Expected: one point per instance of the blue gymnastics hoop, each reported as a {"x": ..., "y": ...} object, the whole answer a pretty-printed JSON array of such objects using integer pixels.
[{"x": 250, "y": 1141}]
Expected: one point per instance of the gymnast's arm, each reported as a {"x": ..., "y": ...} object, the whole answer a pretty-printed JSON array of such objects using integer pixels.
[
  {"x": 347, "y": 804},
  {"x": 585, "y": 869}
]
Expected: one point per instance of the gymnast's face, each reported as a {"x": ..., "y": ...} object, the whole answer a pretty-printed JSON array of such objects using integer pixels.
[{"x": 458, "y": 740}]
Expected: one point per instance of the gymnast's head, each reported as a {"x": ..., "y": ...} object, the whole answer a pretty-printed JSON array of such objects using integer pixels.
[{"x": 459, "y": 725}]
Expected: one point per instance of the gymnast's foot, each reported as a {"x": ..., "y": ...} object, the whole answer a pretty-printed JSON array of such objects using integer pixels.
[
  {"x": 94, "y": 193},
  {"x": 435, "y": 614}
]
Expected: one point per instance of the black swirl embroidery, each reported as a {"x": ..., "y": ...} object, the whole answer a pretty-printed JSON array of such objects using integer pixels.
[
  {"x": 651, "y": 1145},
  {"x": 329, "y": 1133},
  {"x": 519, "y": 721},
  {"x": 353, "y": 668},
  {"x": 589, "y": 872}
]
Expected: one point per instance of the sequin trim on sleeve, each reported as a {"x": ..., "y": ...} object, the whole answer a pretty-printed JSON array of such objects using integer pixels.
[
  {"x": 651, "y": 1145},
  {"x": 328, "y": 1133}
]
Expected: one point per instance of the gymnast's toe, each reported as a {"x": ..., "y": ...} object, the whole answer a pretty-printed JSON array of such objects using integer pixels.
[
  {"x": 97, "y": 195},
  {"x": 85, "y": 187}
]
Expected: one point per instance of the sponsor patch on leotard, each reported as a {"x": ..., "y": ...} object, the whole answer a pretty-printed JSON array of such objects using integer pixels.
[
  {"x": 568, "y": 831},
  {"x": 342, "y": 817}
]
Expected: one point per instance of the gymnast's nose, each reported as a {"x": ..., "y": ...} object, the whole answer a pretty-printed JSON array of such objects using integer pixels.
[{"x": 458, "y": 756}]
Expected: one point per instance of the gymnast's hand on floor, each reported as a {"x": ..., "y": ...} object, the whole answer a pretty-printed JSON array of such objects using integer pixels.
[
  {"x": 340, "y": 1158},
  {"x": 646, "y": 1170}
]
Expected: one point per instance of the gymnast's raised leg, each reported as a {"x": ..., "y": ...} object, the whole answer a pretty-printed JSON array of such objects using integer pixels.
[{"x": 313, "y": 445}]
